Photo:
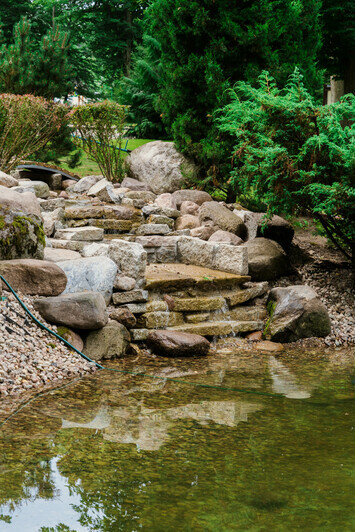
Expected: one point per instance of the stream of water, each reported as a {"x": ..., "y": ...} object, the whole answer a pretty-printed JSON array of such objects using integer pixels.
[{"x": 114, "y": 452}]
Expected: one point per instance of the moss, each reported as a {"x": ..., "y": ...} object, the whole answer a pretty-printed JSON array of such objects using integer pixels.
[
  {"x": 2, "y": 222},
  {"x": 270, "y": 307},
  {"x": 13, "y": 240},
  {"x": 63, "y": 332}
]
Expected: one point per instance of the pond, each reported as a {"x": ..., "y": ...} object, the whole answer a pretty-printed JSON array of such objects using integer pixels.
[{"x": 267, "y": 446}]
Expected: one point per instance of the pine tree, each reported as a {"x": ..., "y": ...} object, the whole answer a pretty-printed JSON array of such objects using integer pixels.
[
  {"x": 208, "y": 45},
  {"x": 38, "y": 68}
]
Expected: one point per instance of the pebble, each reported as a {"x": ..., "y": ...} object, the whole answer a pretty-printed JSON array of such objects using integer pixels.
[{"x": 29, "y": 356}]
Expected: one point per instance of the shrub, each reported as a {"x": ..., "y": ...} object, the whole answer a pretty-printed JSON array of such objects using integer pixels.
[
  {"x": 294, "y": 155},
  {"x": 27, "y": 123},
  {"x": 100, "y": 128}
]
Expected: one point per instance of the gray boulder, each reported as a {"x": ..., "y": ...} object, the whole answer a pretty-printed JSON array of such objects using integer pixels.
[
  {"x": 21, "y": 235},
  {"x": 7, "y": 180},
  {"x": 130, "y": 257},
  {"x": 266, "y": 258},
  {"x": 39, "y": 188},
  {"x": 296, "y": 312},
  {"x": 109, "y": 342},
  {"x": 93, "y": 274},
  {"x": 160, "y": 166},
  {"x": 177, "y": 344},
  {"x": 214, "y": 213},
  {"x": 26, "y": 202},
  {"x": 84, "y": 310}
]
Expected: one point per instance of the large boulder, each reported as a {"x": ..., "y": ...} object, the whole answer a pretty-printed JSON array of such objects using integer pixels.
[
  {"x": 21, "y": 234},
  {"x": 34, "y": 277},
  {"x": 196, "y": 196},
  {"x": 215, "y": 213},
  {"x": 93, "y": 274},
  {"x": 7, "y": 180},
  {"x": 276, "y": 228},
  {"x": 160, "y": 166},
  {"x": 177, "y": 344},
  {"x": 109, "y": 342},
  {"x": 266, "y": 258},
  {"x": 84, "y": 310},
  {"x": 14, "y": 201},
  {"x": 296, "y": 312}
]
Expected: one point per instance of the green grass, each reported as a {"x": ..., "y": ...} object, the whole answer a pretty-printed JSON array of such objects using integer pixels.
[{"x": 88, "y": 167}]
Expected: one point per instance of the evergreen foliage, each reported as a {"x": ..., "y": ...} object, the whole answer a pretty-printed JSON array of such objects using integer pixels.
[
  {"x": 294, "y": 155},
  {"x": 38, "y": 68},
  {"x": 207, "y": 46}
]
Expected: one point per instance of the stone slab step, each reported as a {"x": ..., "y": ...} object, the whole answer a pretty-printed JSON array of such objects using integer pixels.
[
  {"x": 171, "y": 276},
  {"x": 241, "y": 314},
  {"x": 250, "y": 291},
  {"x": 219, "y": 328},
  {"x": 73, "y": 245}
]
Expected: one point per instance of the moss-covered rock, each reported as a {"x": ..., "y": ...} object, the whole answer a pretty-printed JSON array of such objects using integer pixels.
[{"x": 21, "y": 235}]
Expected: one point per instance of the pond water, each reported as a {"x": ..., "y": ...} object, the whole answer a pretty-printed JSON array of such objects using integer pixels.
[{"x": 115, "y": 452}]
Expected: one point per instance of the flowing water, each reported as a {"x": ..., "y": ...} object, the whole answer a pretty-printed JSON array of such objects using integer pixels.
[{"x": 117, "y": 452}]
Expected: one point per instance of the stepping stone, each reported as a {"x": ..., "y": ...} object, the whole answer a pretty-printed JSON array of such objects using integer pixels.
[
  {"x": 219, "y": 328},
  {"x": 91, "y": 234}
]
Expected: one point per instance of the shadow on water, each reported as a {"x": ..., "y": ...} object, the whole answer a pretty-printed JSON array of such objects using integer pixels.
[{"x": 115, "y": 452}]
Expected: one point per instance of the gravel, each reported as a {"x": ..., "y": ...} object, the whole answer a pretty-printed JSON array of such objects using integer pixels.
[{"x": 29, "y": 356}]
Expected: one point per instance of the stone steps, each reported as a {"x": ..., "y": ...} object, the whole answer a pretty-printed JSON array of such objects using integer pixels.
[{"x": 208, "y": 328}]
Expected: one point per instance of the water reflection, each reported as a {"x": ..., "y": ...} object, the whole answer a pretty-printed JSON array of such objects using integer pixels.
[{"x": 114, "y": 452}]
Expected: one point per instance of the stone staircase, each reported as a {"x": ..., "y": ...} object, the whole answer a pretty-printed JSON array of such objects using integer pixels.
[{"x": 198, "y": 300}]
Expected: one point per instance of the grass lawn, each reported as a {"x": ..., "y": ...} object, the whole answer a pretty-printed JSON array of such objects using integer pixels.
[{"x": 88, "y": 167}]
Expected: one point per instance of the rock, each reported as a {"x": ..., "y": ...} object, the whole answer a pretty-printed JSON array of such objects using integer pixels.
[
  {"x": 177, "y": 344},
  {"x": 195, "y": 196},
  {"x": 21, "y": 234},
  {"x": 296, "y": 312},
  {"x": 160, "y": 319},
  {"x": 52, "y": 204},
  {"x": 166, "y": 201},
  {"x": 72, "y": 337},
  {"x": 189, "y": 207},
  {"x": 57, "y": 255},
  {"x": 66, "y": 183},
  {"x": 187, "y": 221},
  {"x": 54, "y": 181},
  {"x": 83, "y": 310},
  {"x": 160, "y": 219},
  {"x": 153, "y": 229},
  {"x": 254, "y": 336},
  {"x": 221, "y": 216},
  {"x": 133, "y": 296},
  {"x": 223, "y": 257},
  {"x": 82, "y": 212},
  {"x": 124, "y": 283},
  {"x": 226, "y": 237},
  {"x": 93, "y": 274},
  {"x": 39, "y": 188},
  {"x": 109, "y": 342},
  {"x": 160, "y": 166},
  {"x": 267, "y": 260},
  {"x": 130, "y": 257},
  {"x": 34, "y": 277},
  {"x": 148, "y": 210},
  {"x": 250, "y": 220},
  {"x": 103, "y": 190},
  {"x": 204, "y": 232},
  {"x": 269, "y": 347},
  {"x": 277, "y": 229},
  {"x": 88, "y": 233},
  {"x": 64, "y": 195},
  {"x": 124, "y": 316},
  {"x": 53, "y": 220},
  {"x": 95, "y": 250},
  {"x": 134, "y": 184},
  {"x": 145, "y": 195},
  {"x": 26, "y": 202},
  {"x": 85, "y": 183},
  {"x": 7, "y": 180}
]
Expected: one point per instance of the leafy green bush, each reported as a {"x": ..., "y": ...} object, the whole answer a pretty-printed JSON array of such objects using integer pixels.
[
  {"x": 100, "y": 128},
  {"x": 27, "y": 124},
  {"x": 294, "y": 155}
]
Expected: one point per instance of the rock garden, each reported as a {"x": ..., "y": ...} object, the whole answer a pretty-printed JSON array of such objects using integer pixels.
[{"x": 145, "y": 266}]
